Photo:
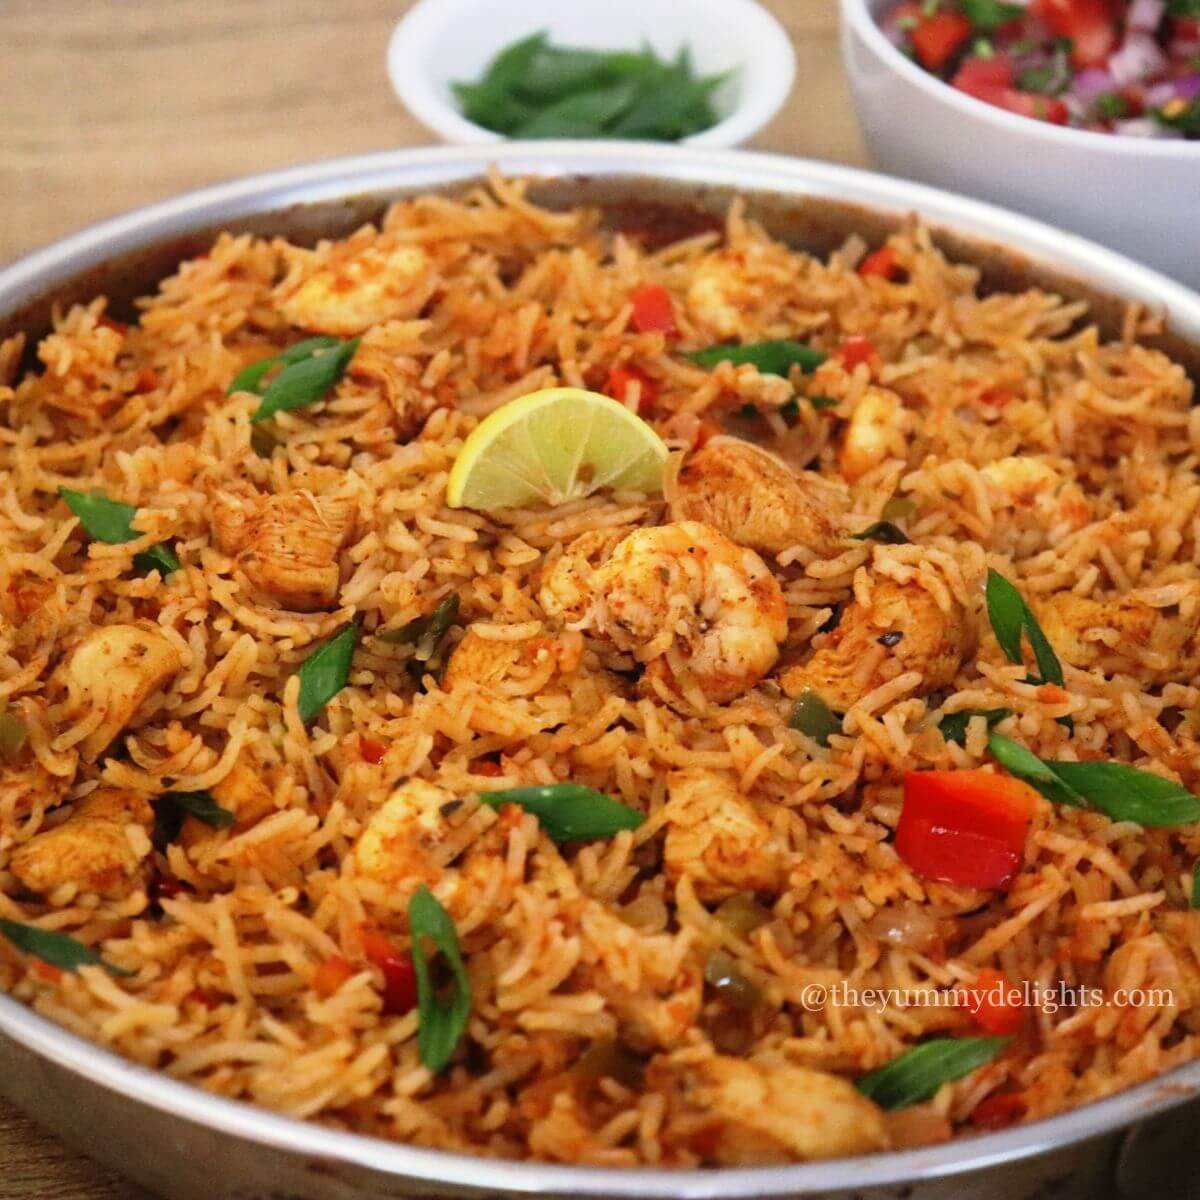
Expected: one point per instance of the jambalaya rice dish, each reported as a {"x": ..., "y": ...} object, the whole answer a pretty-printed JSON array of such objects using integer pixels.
[{"x": 772, "y": 736}]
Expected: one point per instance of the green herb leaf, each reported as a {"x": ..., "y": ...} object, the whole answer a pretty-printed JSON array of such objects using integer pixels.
[
  {"x": 584, "y": 114},
  {"x": 1111, "y": 106},
  {"x": 111, "y": 522},
  {"x": 1194, "y": 899},
  {"x": 569, "y": 812},
  {"x": 954, "y": 725},
  {"x": 771, "y": 358},
  {"x": 57, "y": 949},
  {"x": 325, "y": 672},
  {"x": 171, "y": 808},
  {"x": 820, "y": 402},
  {"x": 1049, "y": 79},
  {"x": 512, "y": 64},
  {"x": 307, "y": 372},
  {"x": 917, "y": 1074},
  {"x": 883, "y": 531},
  {"x": 426, "y": 632},
  {"x": 1010, "y": 615},
  {"x": 1186, "y": 120},
  {"x": 989, "y": 15},
  {"x": 1121, "y": 792},
  {"x": 12, "y": 735},
  {"x": 1183, "y": 8},
  {"x": 442, "y": 1020},
  {"x": 814, "y": 718},
  {"x": 557, "y": 71}
]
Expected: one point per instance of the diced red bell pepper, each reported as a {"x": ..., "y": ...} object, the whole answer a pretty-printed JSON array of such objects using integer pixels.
[
  {"x": 399, "y": 974},
  {"x": 855, "y": 350},
  {"x": 938, "y": 38},
  {"x": 371, "y": 751},
  {"x": 964, "y": 827},
  {"x": 991, "y": 80},
  {"x": 330, "y": 976},
  {"x": 996, "y": 1005},
  {"x": 619, "y": 380},
  {"x": 881, "y": 263},
  {"x": 653, "y": 310},
  {"x": 996, "y": 397},
  {"x": 487, "y": 768},
  {"x": 1088, "y": 23},
  {"x": 999, "y": 1110}
]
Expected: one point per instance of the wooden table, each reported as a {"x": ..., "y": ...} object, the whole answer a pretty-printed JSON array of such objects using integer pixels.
[{"x": 111, "y": 104}]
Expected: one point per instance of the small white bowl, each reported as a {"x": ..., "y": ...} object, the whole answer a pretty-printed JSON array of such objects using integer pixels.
[
  {"x": 1136, "y": 195},
  {"x": 439, "y": 42}
]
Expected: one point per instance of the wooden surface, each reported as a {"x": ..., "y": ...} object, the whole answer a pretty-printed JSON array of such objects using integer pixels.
[{"x": 109, "y": 104}]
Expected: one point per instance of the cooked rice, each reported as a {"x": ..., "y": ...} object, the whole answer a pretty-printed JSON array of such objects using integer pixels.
[{"x": 571, "y": 946}]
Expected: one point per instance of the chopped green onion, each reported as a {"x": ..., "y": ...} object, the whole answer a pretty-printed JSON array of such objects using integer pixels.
[
  {"x": 171, "y": 808},
  {"x": 443, "y": 1020},
  {"x": 57, "y": 949},
  {"x": 814, "y": 718},
  {"x": 897, "y": 508},
  {"x": 954, "y": 725},
  {"x": 883, "y": 531},
  {"x": 325, "y": 672},
  {"x": 569, "y": 812},
  {"x": 820, "y": 402},
  {"x": 771, "y": 358},
  {"x": 425, "y": 633},
  {"x": 1194, "y": 899},
  {"x": 917, "y": 1074},
  {"x": 989, "y": 15},
  {"x": 12, "y": 735},
  {"x": 111, "y": 522},
  {"x": 1010, "y": 616},
  {"x": 306, "y": 372},
  {"x": 725, "y": 977}
]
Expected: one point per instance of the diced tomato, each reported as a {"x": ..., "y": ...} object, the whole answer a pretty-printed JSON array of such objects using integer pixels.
[
  {"x": 146, "y": 380},
  {"x": 1088, "y": 23},
  {"x": 996, "y": 1005},
  {"x": 653, "y": 310},
  {"x": 488, "y": 769},
  {"x": 399, "y": 974},
  {"x": 855, "y": 350},
  {"x": 996, "y": 397},
  {"x": 371, "y": 751},
  {"x": 45, "y": 971},
  {"x": 619, "y": 381},
  {"x": 978, "y": 76},
  {"x": 1187, "y": 29},
  {"x": 964, "y": 827},
  {"x": 938, "y": 37},
  {"x": 882, "y": 263},
  {"x": 999, "y": 1110},
  {"x": 330, "y": 976}
]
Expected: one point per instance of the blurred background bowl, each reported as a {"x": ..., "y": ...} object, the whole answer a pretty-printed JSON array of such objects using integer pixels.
[
  {"x": 1136, "y": 195},
  {"x": 439, "y": 42}
]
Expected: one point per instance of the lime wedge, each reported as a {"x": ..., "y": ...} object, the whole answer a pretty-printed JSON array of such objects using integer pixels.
[{"x": 555, "y": 445}]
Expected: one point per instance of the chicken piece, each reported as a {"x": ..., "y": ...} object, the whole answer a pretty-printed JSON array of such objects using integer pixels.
[
  {"x": 23, "y": 786},
  {"x": 769, "y": 1110},
  {"x": 111, "y": 674},
  {"x": 875, "y": 432},
  {"x": 1020, "y": 482},
  {"x": 684, "y": 598},
  {"x": 403, "y": 844},
  {"x": 366, "y": 280},
  {"x": 754, "y": 499},
  {"x": 1123, "y": 634},
  {"x": 100, "y": 847},
  {"x": 715, "y": 836},
  {"x": 853, "y": 660},
  {"x": 517, "y": 668},
  {"x": 288, "y": 543}
]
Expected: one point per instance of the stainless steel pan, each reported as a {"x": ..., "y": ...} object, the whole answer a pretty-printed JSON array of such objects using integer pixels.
[{"x": 187, "y": 1145}]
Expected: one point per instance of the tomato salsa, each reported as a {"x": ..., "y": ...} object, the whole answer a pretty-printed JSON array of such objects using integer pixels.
[{"x": 1111, "y": 66}]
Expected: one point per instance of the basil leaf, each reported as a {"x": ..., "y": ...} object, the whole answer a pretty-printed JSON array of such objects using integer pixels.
[
  {"x": 1184, "y": 8},
  {"x": 111, "y": 522},
  {"x": 57, "y": 949},
  {"x": 426, "y": 632},
  {"x": 305, "y": 380},
  {"x": 1009, "y": 616},
  {"x": 812, "y": 716},
  {"x": 557, "y": 71},
  {"x": 512, "y": 64},
  {"x": 954, "y": 725},
  {"x": 990, "y": 14},
  {"x": 918, "y": 1073},
  {"x": 250, "y": 378},
  {"x": 1194, "y": 900},
  {"x": 569, "y": 812},
  {"x": 584, "y": 114},
  {"x": 771, "y": 358},
  {"x": 442, "y": 1021},
  {"x": 1121, "y": 792},
  {"x": 324, "y": 672},
  {"x": 883, "y": 531}
]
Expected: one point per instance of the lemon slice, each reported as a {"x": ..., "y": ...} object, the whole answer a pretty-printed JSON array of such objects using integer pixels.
[{"x": 555, "y": 445}]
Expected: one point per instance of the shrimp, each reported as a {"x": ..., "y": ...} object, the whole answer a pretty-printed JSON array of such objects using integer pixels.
[
  {"x": 1029, "y": 485},
  {"x": 688, "y": 602},
  {"x": 875, "y": 432},
  {"x": 901, "y": 629},
  {"x": 770, "y": 1110},
  {"x": 754, "y": 499},
  {"x": 569, "y": 585}
]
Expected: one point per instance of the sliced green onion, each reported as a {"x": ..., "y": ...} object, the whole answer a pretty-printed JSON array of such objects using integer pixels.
[
  {"x": 814, "y": 718},
  {"x": 954, "y": 725},
  {"x": 306, "y": 372},
  {"x": 771, "y": 358},
  {"x": 425, "y": 633},
  {"x": 110, "y": 521},
  {"x": 883, "y": 531},
  {"x": 1194, "y": 899},
  {"x": 57, "y": 949},
  {"x": 917, "y": 1074},
  {"x": 325, "y": 672},
  {"x": 171, "y": 808},
  {"x": 569, "y": 812},
  {"x": 1010, "y": 616},
  {"x": 443, "y": 1020}
]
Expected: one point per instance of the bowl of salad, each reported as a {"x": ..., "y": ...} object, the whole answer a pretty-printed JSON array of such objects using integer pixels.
[{"x": 1085, "y": 113}]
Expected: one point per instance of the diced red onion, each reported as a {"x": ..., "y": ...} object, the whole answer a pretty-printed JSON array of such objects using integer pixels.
[
  {"x": 1145, "y": 14},
  {"x": 1139, "y": 58},
  {"x": 1188, "y": 88},
  {"x": 1145, "y": 127},
  {"x": 1160, "y": 94},
  {"x": 1091, "y": 83}
]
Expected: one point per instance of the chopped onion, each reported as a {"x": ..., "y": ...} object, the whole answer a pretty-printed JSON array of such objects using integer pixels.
[
  {"x": 1159, "y": 94},
  {"x": 1188, "y": 87},
  {"x": 904, "y": 924},
  {"x": 1092, "y": 83},
  {"x": 1139, "y": 58},
  {"x": 1145, "y": 127},
  {"x": 1145, "y": 14}
]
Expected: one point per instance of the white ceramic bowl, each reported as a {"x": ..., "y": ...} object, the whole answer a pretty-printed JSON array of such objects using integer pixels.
[
  {"x": 1139, "y": 196},
  {"x": 439, "y": 42}
]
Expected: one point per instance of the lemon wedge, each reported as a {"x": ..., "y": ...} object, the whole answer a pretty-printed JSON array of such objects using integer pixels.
[{"x": 555, "y": 445}]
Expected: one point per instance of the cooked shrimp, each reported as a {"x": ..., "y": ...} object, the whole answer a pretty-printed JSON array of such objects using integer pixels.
[
  {"x": 111, "y": 674},
  {"x": 100, "y": 847},
  {"x": 754, "y": 499},
  {"x": 365, "y": 281},
  {"x": 288, "y": 543},
  {"x": 854, "y": 660},
  {"x": 1124, "y": 634},
  {"x": 715, "y": 836},
  {"x": 1020, "y": 482},
  {"x": 875, "y": 432},
  {"x": 569, "y": 585},
  {"x": 684, "y": 598},
  {"x": 770, "y": 1110}
]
